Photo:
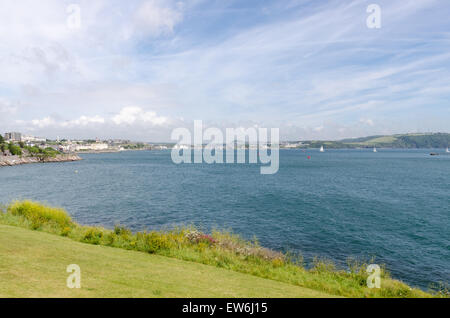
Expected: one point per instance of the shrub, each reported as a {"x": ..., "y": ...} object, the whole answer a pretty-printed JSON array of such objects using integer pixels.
[
  {"x": 15, "y": 150},
  {"x": 92, "y": 235},
  {"x": 440, "y": 289},
  {"x": 322, "y": 266},
  {"x": 65, "y": 231},
  {"x": 111, "y": 238},
  {"x": 122, "y": 231},
  {"x": 277, "y": 262},
  {"x": 156, "y": 241},
  {"x": 197, "y": 237},
  {"x": 39, "y": 214}
]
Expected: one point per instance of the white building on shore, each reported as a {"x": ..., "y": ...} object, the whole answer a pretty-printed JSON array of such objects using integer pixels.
[
  {"x": 73, "y": 147},
  {"x": 13, "y": 136},
  {"x": 33, "y": 139}
]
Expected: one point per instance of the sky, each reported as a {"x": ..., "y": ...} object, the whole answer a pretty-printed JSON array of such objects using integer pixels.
[{"x": 138, "y": 69}]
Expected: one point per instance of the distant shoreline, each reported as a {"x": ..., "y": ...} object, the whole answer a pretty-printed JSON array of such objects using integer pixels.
[
  {"x": 363, "y": 148},
  {"x": 6, "y": 161},
  {"x": 108, "y": 151}
]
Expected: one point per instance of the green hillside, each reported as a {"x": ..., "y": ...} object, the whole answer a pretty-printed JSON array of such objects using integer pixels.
[{"x": 426, "y": 140}]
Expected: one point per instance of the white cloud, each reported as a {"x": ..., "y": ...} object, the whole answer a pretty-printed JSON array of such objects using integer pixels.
[
  {"x": 126, "y": 116},
  {"x": 318, "y": 128},
  {"x": 367, "y": 121},
  {"x": 44, "y": 122},
  {"x": 157, "y": 17},
  {"x": 7, "y": 107},
  {"x": 130, "y": 115},
  {"x": 84, "y": 121}
]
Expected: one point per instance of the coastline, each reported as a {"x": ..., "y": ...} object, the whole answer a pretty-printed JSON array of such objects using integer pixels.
[
  {"x": 6, "y": 161},
  {"x": 218, "y": 249},
  {"x": 107, "y": 151},
  {"x": 97, "y": 151}
]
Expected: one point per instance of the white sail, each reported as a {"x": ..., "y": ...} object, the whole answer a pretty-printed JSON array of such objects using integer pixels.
[
  {"x": 321, "y": 149},
  {"x": 446, "y": 150},
  {"x": 374, "y": 149}
]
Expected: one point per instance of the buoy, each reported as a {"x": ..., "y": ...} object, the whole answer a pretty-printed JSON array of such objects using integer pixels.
[{"x": 309, "y": 157}]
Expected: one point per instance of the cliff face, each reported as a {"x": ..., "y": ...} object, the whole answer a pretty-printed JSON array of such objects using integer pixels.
[{"x": 17, "y": 160}]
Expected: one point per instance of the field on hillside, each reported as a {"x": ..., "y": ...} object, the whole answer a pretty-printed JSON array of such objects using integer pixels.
[{"x": 416, "y": 140}]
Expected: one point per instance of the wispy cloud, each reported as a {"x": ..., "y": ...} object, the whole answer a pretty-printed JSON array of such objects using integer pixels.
[
  {"x": 132, "y": 114},
  {"x": 298, "y": 65}
]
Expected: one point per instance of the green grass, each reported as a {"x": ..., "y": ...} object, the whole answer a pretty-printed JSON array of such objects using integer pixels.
[
  {"x": 220, "y": 250},
  {"x": 33, "y": 264},
  {"x": 381, "y": 140},
  {"x": 375, "y": 141}
]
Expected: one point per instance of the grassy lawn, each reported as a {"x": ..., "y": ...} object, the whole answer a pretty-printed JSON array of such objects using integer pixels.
[{"x": 33, "y": 264}]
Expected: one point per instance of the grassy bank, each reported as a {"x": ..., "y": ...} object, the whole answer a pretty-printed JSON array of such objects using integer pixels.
[
  {"x": 222, "y": 250},
  {"x": 33, "y": 264}
]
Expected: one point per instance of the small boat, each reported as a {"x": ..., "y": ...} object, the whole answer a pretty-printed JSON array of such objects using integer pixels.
[
  {"x": 446, "y": 150},
  {"x": 374, "y": 149},
  {"x": 434, "y": 154},
  {"x": 321, "y": 149}
]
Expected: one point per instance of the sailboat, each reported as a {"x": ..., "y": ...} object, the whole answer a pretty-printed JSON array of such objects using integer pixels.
[
  {"x": 321, "y": 149},
  {"x": 374, "y": 149},
  {"x": 446, "y": 150}
]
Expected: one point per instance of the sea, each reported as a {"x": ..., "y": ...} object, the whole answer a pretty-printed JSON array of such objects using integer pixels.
[{"x": 391, "y": 207}]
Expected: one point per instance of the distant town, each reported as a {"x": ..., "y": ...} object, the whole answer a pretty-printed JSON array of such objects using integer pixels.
[
  {"x": 110, "y": 145},
  {"x": 75, "y": 146}
]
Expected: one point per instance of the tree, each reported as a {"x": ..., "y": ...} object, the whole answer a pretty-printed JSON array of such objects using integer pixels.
[{"x": 14, "y": 149}]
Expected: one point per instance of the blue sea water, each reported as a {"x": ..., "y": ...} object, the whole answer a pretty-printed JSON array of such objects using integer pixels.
[{"x": 393, "y": 205}]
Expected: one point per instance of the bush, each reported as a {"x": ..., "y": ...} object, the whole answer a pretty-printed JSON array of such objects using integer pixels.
[
  {"x": 15, "y": 150},
  {"x": 39, "y": 214},
  {"x": 65, "y": 231},
  {"x": 122, "y": 231},
  {"x": 197, "y": 237},
  {"x": 35, "y": 151},
  {"x": 93, "y": 235}
]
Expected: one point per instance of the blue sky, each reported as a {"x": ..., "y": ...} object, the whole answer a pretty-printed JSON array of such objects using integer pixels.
[{"x": 138, "y": 69}]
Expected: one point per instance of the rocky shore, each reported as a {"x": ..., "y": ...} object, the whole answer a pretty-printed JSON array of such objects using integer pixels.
[{"x": 18, "y": 160}]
